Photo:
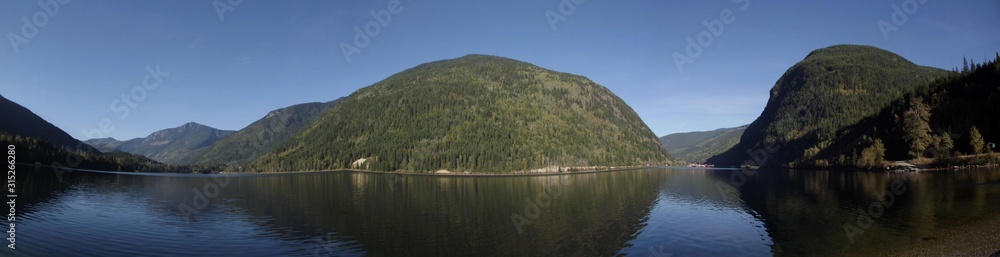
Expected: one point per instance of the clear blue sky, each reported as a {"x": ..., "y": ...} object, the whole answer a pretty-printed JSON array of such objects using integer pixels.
[{"x": 266, "y": 55}]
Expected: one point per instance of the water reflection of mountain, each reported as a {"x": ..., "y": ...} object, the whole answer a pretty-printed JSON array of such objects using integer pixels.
[
  {"x": 37, "y": 188},
  {"x": 806, "y": 212},
  {"x": 382, "y": 214},
  {"x": 434, "y": 216},
  {"x": 601, "y": 214}
]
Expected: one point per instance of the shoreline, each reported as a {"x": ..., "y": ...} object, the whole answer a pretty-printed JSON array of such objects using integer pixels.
[
  {"x": 459, "y": 174},
  {"x": 891, "y": 168},
  {"x": 526, "y": 174},
  {"x": 450, "y": 174}
]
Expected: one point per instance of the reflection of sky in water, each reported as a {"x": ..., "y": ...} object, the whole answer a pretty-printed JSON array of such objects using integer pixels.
[{"x": 690, "y": 219}]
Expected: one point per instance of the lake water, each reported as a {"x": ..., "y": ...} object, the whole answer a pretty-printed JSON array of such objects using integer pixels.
[{"x": 645, "y": 212}]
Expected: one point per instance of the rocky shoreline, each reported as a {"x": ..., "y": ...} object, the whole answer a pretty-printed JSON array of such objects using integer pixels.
[
  {"x": 974, "y": 238},
  {"x": 903, "y": 167}
]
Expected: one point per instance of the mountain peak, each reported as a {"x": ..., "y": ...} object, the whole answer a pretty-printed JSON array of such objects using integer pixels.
[
  {"x": 859, "y": 54},
  {"x": 472, "y": 60},
  {"x": 178, "y": 145},
  {"x": 846, "y": 48},
  {"x": 483, "y": 56}
]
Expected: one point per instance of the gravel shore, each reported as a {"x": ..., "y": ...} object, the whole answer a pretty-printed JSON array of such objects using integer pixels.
[{"x": 976, "y": 238}]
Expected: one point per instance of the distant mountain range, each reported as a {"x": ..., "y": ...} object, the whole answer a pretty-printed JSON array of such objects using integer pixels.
[
  {"x": 194, "y": 143},
  {"x": 37, "y": 141},
  {"x": 697, "y": 147},
  {"x": 180, "y": 145}
]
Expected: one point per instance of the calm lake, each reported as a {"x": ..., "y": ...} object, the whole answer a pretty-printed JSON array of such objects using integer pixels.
[{"x": 644, "y": 212}]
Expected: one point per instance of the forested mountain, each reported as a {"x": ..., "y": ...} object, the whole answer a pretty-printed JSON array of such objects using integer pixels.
[
  {"x": 180, "y": 145},
  {"x": 696, "y": 147},
  {"x": 264, "y": 134},
  {"x": 476, "y": 113},
  {"x": 17, "y": 120},
  {"x": 954, "y": 114},
  {"x": 830, "y": 89}
]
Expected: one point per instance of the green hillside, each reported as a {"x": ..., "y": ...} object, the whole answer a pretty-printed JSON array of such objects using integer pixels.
[
  {"x": 476, "y": 113},
  {"x": 697, "y": 147},
  {"x": 261, "y": 136},
  {"x": 830, "y": 89},
  {"x": 935, "y": 121}
]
